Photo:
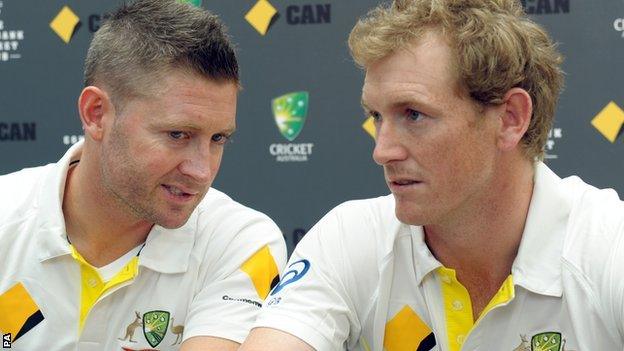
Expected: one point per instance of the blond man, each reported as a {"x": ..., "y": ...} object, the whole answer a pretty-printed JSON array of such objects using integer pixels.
[{"x": 480, "y": 246}]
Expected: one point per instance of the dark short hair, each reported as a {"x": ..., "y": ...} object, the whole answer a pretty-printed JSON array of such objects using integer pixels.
[{"x": 139, "y": 43}]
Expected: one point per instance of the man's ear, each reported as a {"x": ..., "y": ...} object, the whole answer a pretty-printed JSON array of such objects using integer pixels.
[
  {"x": 94, "y": 105},
  {"x": 515, "y": 118}
]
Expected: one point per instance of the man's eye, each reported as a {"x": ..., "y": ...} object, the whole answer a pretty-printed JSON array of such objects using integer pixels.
[
  {"x": 178, "y": 135},
  {"x": 220, "y": 138},
  {"x": 376, "y": 116},
  {"x": 413, "y": 114}
]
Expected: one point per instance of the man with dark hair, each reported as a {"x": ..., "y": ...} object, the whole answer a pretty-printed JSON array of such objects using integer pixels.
[
  {"x": 122, "y": 244},
  {"x": 480, "y": 246}
]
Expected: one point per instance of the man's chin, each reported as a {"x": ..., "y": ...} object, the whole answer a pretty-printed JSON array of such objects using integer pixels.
[
  {"x": 173, "y": 222},
  {"x": 409, "y": 214},
  {"x": 171, "y": 226}
]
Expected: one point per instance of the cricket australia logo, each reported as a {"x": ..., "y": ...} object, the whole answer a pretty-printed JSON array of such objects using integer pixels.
[
  {"x": 290, "y": 112},
  {"x": 547, "y": 341},
  {"x": 155, "y": 326}
]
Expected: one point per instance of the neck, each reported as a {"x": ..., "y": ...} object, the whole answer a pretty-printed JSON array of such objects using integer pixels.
[
  {"x": 482, "y": 241},
  {"x": 97, "y": 226}
]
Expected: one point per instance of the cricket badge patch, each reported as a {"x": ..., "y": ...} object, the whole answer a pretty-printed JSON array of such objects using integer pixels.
[
  {"x": 546, "y": 341},
  {"x": 155, "y": 325}
]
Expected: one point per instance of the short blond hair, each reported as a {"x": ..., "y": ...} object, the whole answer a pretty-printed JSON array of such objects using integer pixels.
[{"x": 497, "y": 47}]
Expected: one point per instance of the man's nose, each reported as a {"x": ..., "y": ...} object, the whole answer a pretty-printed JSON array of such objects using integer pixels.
[
  {"x": 198, "y": 164},
  {"x": 388, "y": 144}
]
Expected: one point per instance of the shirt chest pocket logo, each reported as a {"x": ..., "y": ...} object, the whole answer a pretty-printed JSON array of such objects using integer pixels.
[
  {"x": 155, "y": 325},
  {"x": 546, "y": 341}
]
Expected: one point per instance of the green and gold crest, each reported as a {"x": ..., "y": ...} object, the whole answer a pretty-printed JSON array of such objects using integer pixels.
[
  {"x": 155, "y": 326},
  {"x": 549, "y": 341},
  {"x": 290, "y": 112}
]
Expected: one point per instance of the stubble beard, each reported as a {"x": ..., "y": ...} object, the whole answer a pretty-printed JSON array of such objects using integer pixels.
[
  {"x": 126, "y": 183},
  {"x": 128, "y": 193},
  {"x": 121, "y": 180},
  {"x": 123, "y": 194}
]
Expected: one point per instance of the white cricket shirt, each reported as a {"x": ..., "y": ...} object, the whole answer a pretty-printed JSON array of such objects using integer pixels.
[
  {"x": 206, "y": 278},
  {"x": 362, "y": 280}
]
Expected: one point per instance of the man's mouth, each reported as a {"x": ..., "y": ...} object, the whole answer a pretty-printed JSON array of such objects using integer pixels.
[
  {"x": 179, "y": 192},
  {"x": 399, "y": 184},
  {"x": 404, "y": 182}
]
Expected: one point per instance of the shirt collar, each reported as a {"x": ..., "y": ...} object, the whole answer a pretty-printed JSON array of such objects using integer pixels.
[
  {"x": 52, "y": 239},
  {"x": 169, "y": 250},
  {"x": 537, "y": 266},
  {"x": 165, "y": 251},
  {"x": 424, "y": 261}
]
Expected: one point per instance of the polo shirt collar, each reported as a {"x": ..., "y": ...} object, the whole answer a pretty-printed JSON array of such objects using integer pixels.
[
  {"x": 537, "y": 266},
  {"x": 169, "y": 250},
  {"x": 52, "y": 237},
  {"x": 424, "y": 261},
  {"x": 165, "y": 251}
]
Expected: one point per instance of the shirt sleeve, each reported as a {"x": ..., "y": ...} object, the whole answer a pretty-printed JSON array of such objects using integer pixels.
[
  {"x": 251, "y": 254},
  {"x": 312, "y": 301},
  {"x": 598, "y": 224}
]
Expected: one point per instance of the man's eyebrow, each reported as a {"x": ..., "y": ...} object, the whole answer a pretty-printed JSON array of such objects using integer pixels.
[
  {"x": 404, "y": 101},
  {"x": 191, "y": 126},
  {"x": 230, "y": 130},
  {"x": 175, "y": 125}
]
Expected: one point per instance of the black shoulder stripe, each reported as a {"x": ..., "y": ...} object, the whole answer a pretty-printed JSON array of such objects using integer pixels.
[
  {"x": 428, "y": 343},
  {"x": 30, "y": 323}
]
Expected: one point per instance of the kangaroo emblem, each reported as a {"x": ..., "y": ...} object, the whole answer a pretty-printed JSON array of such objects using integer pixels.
[
  {"x": 178, "y": 330},
  {"x": 131, "y": 327},
  {"x": 524, "y": 344}
]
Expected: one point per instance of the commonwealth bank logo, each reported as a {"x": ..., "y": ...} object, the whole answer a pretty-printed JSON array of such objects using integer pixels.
[
  {"x": 609, "y": 121},
  {"x": 262, "y": 16},
  {"x": 406, "y": 331},
  {"x": 369, "y": 127},
  {"x": 290, "y": 112},
  {"x": 65, "y": 24},
  {"x": 23, "y": 313}
]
